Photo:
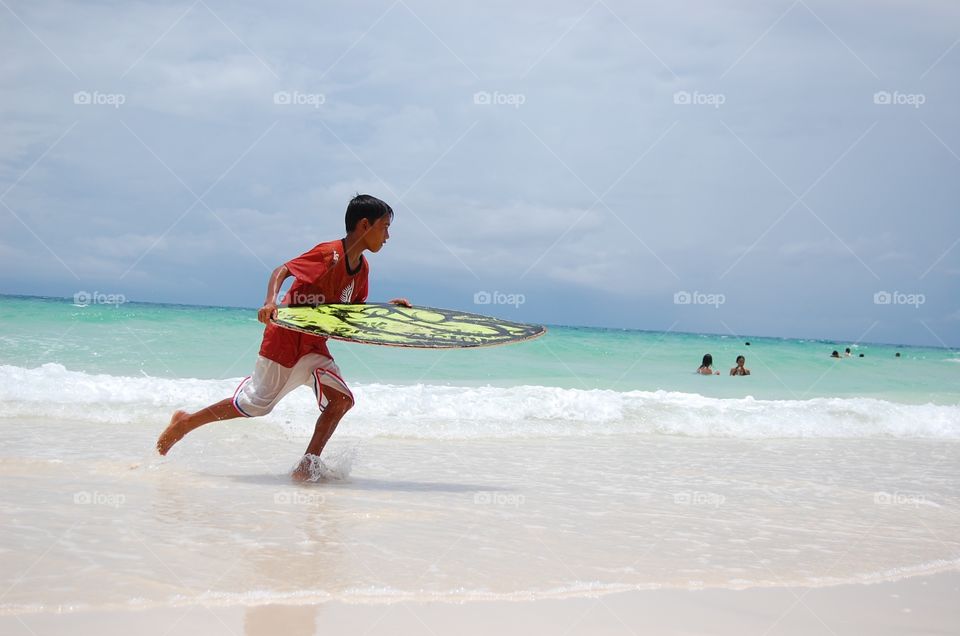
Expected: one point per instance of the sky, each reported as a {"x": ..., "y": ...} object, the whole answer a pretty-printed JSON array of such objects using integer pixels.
[{"x": 786, "y": 168}]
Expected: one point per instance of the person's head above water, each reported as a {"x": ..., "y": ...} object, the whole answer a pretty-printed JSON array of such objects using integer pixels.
[
  {"x": 707, "y": 360},
  {"x": 835, "y": 354},
  {"x": 741, "y": 360}
]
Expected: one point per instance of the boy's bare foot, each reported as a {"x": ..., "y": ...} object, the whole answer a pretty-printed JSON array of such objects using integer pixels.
[
  {"x": 310, "y": 468},
  {"x": 173, "y": 433},
  {"x": 303, "y": 471}
]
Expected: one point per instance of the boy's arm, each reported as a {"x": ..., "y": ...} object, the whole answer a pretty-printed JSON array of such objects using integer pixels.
[
  {"x": 269, "y": 309},
  {"x": 403, "y": 302}
]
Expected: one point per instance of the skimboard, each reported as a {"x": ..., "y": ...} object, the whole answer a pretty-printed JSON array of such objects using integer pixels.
[{"x": 396, "y": 326}]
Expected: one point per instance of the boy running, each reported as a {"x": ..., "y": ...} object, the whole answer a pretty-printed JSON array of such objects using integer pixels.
[{"x": 333, "y": 272}]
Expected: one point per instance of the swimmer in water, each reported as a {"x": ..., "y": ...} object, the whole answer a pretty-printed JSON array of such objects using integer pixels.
[
  {"x": 706, "y": 367},
  {"x": 740, "y": 369}
]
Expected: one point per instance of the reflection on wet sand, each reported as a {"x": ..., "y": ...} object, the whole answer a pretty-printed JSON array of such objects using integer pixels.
[{"x": 289, "y": 620}]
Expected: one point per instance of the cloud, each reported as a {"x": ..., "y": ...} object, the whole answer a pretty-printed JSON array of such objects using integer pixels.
[{"x": 586, "y": 174}]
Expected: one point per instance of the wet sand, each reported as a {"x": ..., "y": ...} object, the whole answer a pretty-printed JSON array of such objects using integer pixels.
[{"x": 920, "y": 605}]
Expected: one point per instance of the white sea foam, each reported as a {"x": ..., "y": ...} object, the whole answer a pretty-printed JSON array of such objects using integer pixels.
[{"x": 452, "y": 412}]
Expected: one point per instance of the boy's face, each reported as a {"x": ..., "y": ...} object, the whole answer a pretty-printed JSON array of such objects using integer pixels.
[{"x": 377, "y": 234}]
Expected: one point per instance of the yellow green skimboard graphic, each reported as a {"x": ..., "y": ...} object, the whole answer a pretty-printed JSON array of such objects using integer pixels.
[{"x": 396, "y": 326}]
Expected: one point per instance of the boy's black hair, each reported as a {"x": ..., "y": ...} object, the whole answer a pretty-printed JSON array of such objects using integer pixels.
[{"x": 364, "y": 206}]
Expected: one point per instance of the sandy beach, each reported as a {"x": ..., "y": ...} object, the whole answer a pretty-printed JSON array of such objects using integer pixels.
[{"x": 924, "y": 605}]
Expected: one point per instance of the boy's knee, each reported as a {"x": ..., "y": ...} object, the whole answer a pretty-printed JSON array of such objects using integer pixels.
[{"x": 339, "y": 401}]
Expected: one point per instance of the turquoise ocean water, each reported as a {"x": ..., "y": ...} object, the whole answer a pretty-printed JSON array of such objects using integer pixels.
[{"x": 175, "y": 341}]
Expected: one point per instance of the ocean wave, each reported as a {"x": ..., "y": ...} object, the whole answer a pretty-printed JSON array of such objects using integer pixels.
[{"x": 453, "y": 412}]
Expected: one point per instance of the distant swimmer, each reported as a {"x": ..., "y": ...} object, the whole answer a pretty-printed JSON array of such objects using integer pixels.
[
  {"x": 835, "y": 354},
  {"x": 846, "y": 352},
  {"x": 706, "y": 367},
  {"x": 898, "y": 355},
  {"x": 740, "y": 369}
]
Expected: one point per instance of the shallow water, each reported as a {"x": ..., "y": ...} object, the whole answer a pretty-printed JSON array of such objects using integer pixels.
[{"x": 220, "y": 522}]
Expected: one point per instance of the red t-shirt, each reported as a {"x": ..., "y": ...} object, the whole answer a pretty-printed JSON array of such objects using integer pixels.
[{"x": 321, "y": 277}]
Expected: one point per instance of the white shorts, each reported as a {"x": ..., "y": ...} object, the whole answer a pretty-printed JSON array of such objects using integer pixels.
[{"x": 270, "y": 382}]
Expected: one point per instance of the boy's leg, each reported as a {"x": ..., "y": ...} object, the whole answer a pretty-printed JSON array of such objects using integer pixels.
[
  {"x": 337, "y": 406},
  {"x": 182, "y": 422},
  {"x": 256, "y": 396},
  {"x": 335, "y": 399}
]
